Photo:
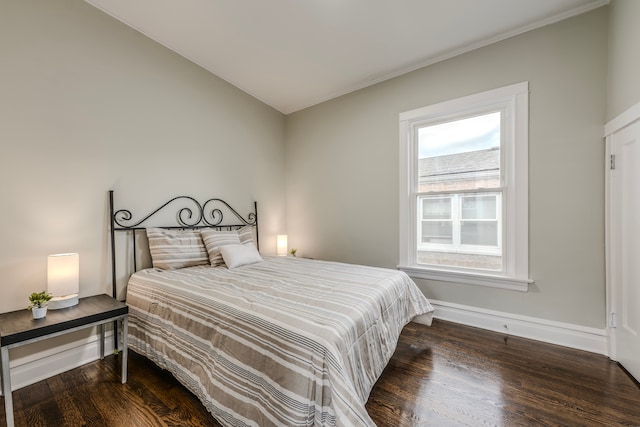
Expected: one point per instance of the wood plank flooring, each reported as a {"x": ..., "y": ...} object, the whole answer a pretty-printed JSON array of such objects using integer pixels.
[
  {"x": 452, "y": 375},
  {"x": 443, "y": 375}
]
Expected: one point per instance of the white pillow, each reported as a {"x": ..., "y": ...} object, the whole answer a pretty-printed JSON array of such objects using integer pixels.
[{"x": 239, "y": 255}]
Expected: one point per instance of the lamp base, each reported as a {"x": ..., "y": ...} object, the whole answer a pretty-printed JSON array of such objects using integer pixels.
[{"x": 56, "y": 303}]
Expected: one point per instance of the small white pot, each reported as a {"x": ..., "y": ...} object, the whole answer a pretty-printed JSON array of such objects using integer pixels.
[{"x": 39, "y": 312}]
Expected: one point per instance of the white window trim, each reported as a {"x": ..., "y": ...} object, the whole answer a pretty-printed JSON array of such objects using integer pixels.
[{"x": 516, "y": 174}]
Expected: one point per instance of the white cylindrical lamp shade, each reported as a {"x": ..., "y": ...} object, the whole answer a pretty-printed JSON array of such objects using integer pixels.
[
  {"x": 63, "y": 281},
  {"x": 281, "y": 242}
]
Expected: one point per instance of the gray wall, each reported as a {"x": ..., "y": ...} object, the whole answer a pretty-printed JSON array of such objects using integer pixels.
[
  {"x": 623, "y": 83},
  {"x": 342, "y": 167},
  {"x": 87, "y": 105}
]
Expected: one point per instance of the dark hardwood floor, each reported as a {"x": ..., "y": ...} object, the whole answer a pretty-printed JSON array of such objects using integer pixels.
[
  {"x": 453, "y": 375},
  {"x": 443, "y": 375}
]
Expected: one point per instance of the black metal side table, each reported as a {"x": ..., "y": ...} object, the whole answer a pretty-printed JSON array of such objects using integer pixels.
[{"x": 19, "y": 328}]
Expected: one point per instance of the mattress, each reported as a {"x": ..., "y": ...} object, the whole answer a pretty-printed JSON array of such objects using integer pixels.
[{"x": 284, "y": 342}]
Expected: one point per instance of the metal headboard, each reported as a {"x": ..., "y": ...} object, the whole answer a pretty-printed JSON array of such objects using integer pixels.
[{"x": 190, "y": 214}]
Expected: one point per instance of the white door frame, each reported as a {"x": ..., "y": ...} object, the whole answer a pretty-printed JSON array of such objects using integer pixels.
[
  {"x": 609, "y": 294},
  {"x": 625, "y": 119}
]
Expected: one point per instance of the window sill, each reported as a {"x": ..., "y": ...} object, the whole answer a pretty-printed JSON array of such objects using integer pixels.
[{"x": 478, "y": 279}]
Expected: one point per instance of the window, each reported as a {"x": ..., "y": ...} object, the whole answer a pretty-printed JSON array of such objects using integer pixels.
[{"x": 464, "y": 198}]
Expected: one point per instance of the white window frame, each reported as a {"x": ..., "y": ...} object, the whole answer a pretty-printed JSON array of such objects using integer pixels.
[{"x": 513, "y": 102}]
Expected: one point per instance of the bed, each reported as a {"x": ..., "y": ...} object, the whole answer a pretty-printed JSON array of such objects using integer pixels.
[{"x": 265, "y": 341}]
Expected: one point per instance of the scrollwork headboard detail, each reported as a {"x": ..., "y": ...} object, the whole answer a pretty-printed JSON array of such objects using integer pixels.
[{"x": 190, "y": 214}]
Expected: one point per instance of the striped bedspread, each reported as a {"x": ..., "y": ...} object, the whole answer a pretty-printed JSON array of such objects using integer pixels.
[{"x": 285, "y": 342}]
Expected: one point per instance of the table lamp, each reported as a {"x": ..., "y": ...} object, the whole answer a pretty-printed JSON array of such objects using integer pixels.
[
  {"x": 63, "y": 280},
  {"x": 281, "y": 242}
]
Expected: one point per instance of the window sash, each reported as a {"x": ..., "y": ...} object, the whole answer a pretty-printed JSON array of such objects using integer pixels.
[{"x": 456, "y": 220}]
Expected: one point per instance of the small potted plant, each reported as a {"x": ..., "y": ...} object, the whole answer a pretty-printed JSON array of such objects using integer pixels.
[
  {"x": 39, "y": 301},
  {"x": 293, "y": 252}
]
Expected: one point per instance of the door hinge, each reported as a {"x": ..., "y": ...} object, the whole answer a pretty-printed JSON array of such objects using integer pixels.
[
  {"x": 612, "y": 320},
  {"x": 613, "y": 162}
]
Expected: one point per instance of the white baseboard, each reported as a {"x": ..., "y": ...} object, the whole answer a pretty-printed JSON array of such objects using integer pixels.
[
  {"x": 565, "y": 334},
  {"x": 44, "y": 364}
]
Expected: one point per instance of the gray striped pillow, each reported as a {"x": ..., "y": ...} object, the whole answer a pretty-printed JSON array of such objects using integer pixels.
[
  {"x": 213, "y": 239},
  {"x": 171, "y": 249},
  {"x": 247, "y": 234}
]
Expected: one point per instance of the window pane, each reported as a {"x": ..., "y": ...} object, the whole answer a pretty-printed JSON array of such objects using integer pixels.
[
  {"x": 479, "y": 233},
  {"x": 436, "y": 208},
  {"x": 440, "y": 232},
  {"x": 479, "y": 207},
  {"x": 460, "y": 155}
]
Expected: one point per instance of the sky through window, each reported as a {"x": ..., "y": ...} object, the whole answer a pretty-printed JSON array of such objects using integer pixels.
[{"x": 460, "y": 136}]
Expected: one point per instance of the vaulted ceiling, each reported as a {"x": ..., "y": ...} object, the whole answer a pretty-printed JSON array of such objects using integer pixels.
[{"x": 292, "y": 54}]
